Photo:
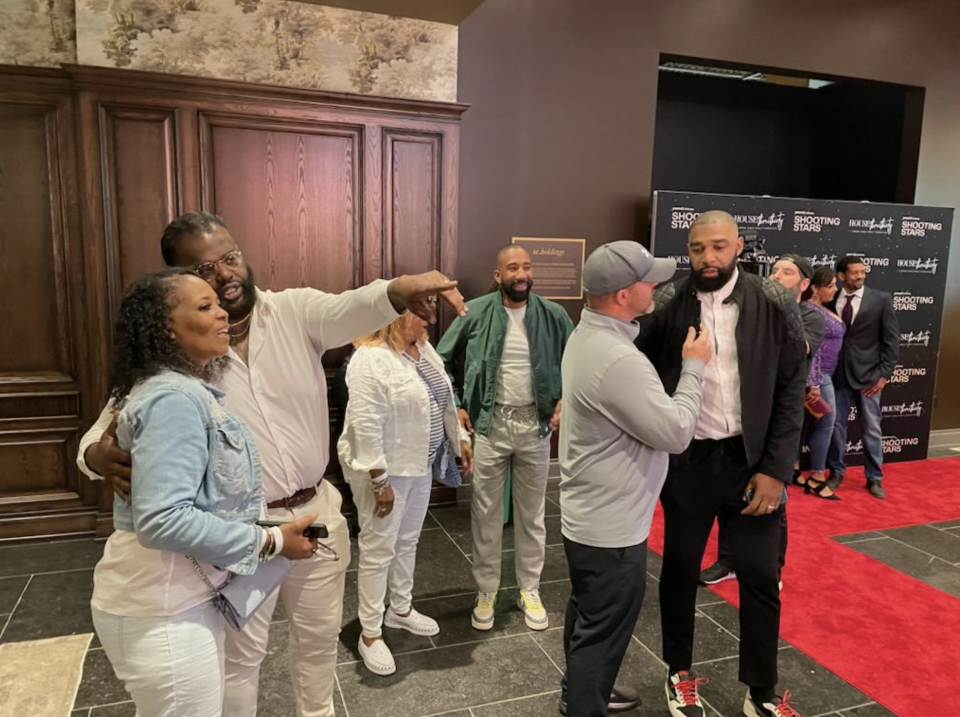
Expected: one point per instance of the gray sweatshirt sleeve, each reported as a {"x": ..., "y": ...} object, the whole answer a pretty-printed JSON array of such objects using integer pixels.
[{"x": 632, "y": 395}]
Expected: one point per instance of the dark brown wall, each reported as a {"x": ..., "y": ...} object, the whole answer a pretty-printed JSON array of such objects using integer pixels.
[{"x": 559, "y": 140}]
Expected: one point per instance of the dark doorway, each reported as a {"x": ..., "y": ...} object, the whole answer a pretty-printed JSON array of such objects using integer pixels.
[{"x": 739, "y": 130}]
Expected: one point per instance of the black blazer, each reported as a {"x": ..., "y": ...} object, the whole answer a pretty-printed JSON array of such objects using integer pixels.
[
  {"x": 871, "y": 346},
  {"x": 771, "y": 355}
]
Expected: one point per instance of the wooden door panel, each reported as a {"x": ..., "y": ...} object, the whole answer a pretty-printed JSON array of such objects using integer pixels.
[
  {"x": 141, "y": 181},
  {"x": 36, "y": 346},
  {"x": 290, "y": 193},
  {"x": 40, "y": 268},
  {"x": 411, "y": 194}
]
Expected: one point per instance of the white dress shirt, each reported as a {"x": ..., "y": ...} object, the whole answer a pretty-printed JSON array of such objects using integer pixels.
[
  {"x": 845, "y": 298},
  {"x": 720, "y": 412}
]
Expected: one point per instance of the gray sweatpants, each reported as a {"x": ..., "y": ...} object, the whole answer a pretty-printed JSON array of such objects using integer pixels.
[{"x": 514, "y": 440}]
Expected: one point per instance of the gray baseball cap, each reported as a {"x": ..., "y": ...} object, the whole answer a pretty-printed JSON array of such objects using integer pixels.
[{"x": 619, "y": 264}]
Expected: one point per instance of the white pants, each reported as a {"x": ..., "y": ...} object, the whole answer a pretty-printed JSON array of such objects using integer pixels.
[
  {"x": 312, "y": 594},
  {"x": 388, "y": 546},
  {"x": 171, "y": 666},
  {"x": 514, "y": 440}
]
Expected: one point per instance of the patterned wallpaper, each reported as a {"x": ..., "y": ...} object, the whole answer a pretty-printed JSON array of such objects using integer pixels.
[{"x": 272, "y": 41}]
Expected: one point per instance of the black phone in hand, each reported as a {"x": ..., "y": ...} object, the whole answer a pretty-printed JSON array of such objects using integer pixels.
[{"x": 314, "y": 531}]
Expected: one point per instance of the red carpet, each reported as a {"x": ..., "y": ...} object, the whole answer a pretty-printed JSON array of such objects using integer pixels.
[{"x": 891, "y": 636}]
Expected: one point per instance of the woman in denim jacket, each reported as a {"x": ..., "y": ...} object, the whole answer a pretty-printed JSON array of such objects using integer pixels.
[
  {"x": 197, "y": 494},
  {"x": 400, "y": 410}
]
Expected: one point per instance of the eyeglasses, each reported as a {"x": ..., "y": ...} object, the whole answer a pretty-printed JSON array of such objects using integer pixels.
[{"x": 208, "y": 269}]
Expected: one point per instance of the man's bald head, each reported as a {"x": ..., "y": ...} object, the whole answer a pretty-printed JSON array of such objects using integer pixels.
[
  {"x": 715, "y": 216},
  {"x": 511, "y": 253},
  {"x": 714, "y": 243}
]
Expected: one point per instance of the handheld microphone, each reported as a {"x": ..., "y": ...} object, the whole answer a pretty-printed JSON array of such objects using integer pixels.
[{"x": 696, "y": 316}]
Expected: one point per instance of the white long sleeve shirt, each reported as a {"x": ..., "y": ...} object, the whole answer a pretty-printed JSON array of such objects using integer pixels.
[{"x": 618, "y": 428}]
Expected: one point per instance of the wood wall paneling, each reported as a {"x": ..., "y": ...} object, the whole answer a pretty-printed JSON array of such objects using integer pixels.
[
  {"x": 320, "y": 189},
  {"x": 411, "y": 213},
  {"x": 41, "y": 307},
  {"x": 141, "y": 189},
  {"x": 291, "y": 194},
  {"x": 38, "y": 469},
  {"x": 34, "y": 320}
]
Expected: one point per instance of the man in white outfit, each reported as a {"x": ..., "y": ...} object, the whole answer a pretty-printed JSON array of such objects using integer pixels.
[{"x": 275, "y": 382}]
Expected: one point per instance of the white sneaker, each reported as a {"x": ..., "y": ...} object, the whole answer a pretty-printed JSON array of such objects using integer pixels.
[
  {"x": 482, "y": 616},
  {"x": 378, "y": 658},
  {"x": 415, "y": 622},
  {"x": 534, "y": 613}
]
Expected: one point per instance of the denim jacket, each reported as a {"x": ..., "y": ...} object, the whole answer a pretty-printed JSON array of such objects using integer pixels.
[{"x": 196, "y": 487}]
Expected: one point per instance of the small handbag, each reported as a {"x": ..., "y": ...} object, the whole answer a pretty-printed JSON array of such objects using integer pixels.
[
  {"x": 818, "y": 408},
  {"x": 445, "y": 468},
  {"x": 241, "y": 596}
]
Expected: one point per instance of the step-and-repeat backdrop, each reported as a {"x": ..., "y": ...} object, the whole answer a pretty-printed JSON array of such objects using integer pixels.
[{"x": 905, "y": 250}]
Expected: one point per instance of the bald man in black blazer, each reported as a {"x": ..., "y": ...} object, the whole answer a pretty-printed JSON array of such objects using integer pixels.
[{"x": 871, "y": 348}]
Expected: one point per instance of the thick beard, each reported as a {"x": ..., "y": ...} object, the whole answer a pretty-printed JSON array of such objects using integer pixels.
[
  {"x": 516, "y": 296},
  {"x": 248, "y": 298},
  {"x": 707, "y": 284}
]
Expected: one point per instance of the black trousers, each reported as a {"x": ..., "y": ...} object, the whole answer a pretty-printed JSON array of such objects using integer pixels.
[
  {"x": 704, "y": 483},
  {"x": 723, "y": 543},
  {"x": 605, "y": 600}
]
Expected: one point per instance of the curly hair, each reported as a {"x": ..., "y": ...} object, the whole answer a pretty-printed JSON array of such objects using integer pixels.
[{"x": 142, "y": 343}]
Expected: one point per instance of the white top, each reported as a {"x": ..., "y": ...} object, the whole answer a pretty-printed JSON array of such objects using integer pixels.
[
  {"x": 515, "y": 382},
  {"x": 133, "y": 581},
  {"x": 387, "y": 423},
  {"x": 845, "y": 297},
  {"x": 282, "y": 397},
  {"x": 720, "y": 414}
]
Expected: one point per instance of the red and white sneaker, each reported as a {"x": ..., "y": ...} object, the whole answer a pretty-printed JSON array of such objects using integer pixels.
[
  {"x": 683, "y": 694},
  {"x": 779, "y": 707}
]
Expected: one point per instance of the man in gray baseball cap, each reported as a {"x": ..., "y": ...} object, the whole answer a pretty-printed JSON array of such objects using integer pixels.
[
  {"x": 619, "y": 264},
  {"x": 618, "y": 427}
]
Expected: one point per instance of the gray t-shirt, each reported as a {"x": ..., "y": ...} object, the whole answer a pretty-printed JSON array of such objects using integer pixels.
[{"x": 617, "y": 429}]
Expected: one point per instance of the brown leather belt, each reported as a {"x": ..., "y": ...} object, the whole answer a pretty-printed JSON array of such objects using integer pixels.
[{"x": 304, "y": 495}]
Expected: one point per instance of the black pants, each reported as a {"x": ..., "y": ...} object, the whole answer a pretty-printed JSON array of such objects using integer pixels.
[
  {"x": 605, "y": 600},
  {"x": 723, "y": 543},
  {"x": 707, "y": 482}
]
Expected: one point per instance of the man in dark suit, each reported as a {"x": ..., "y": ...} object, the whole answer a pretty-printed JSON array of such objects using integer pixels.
[{"x": 870, "y": 350}]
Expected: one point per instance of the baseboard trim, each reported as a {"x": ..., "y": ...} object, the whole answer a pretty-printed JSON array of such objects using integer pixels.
[{"x": 945, "y": 438}]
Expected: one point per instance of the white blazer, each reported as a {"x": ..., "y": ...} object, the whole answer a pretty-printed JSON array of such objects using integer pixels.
[{"x": 387, "y": 423}]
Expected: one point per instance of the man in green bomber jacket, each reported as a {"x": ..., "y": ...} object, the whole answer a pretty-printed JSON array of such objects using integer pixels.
[{"x": 510, "y": 401}]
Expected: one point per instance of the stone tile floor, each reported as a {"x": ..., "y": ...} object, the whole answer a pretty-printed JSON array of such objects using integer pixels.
[{"x": 510, "y": 671}]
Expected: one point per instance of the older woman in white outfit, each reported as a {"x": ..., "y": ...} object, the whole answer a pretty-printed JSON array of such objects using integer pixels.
[{"x": 400, "y": 411}]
